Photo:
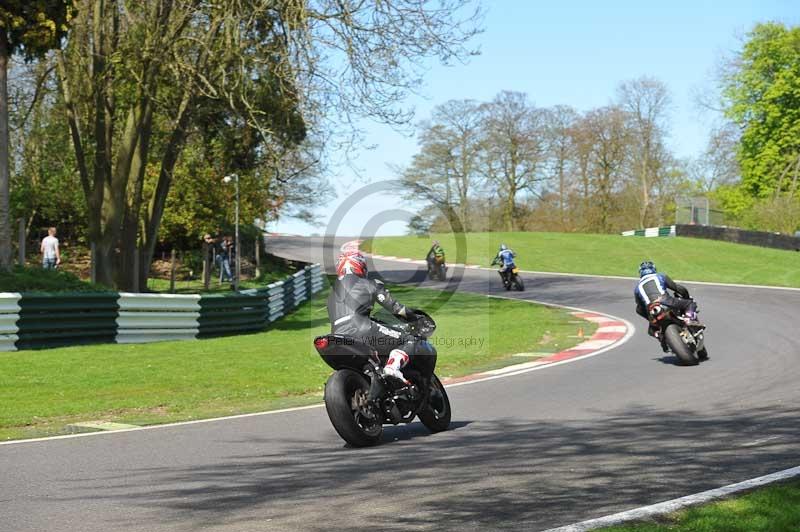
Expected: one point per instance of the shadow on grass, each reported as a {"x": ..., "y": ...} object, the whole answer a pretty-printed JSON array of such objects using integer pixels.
[
  {"x": 298, "y": 325},
  {"x": 492, "y": 474}
]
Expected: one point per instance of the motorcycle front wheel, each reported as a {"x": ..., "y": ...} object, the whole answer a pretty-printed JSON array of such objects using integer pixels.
[
  {"x": 672, "y": 335},
  {"x": 349, "y": 411},
  {"x": 436, "y": 414}
]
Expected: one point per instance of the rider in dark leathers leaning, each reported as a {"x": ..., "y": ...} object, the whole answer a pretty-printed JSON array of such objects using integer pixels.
[
  {"x": 653, "y": 286},
  {"x": 350, "y": 304}
]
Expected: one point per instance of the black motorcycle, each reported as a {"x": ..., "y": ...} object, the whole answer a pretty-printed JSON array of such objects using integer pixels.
[
  {"x": 360, "y": 400},
  {"x": 684, "y": 338}
]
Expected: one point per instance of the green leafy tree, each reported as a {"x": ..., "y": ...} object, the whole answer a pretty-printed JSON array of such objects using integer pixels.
[
  {"x": 141, "y": 78},
  {"x": 761, "y": 94},
  {"x": 29, "y": 27}
]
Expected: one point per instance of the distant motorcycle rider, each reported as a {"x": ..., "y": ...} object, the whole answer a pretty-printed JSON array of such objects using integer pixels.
[
  {"x": 505, "y": 258},
  {"x": 350, "y": 304},
  {"x": 652, "y": 287},
  {"x": 435, "y": 254}
]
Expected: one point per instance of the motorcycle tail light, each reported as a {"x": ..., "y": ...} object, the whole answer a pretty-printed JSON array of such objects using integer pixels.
[{"x": 321, "y": 342}]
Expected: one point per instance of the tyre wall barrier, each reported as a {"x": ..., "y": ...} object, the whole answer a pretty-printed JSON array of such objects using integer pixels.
[{"x": 40, "y": 320}]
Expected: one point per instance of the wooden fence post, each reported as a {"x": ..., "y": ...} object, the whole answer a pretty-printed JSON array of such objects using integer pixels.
[
  {"x": 93, "y": 261},
  {"x": 172, "y": 272},
  {"x": 22, "y": 241},
  {"x": 136, "y": 259},
  {"x": 206, "y": 267}
]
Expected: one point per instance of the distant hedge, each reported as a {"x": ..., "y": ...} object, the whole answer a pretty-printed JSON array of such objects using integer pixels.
[{"x": 33, "y": 279}]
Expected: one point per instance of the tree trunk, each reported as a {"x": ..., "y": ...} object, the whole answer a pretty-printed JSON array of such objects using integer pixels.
[
  {"x": 155, "y": 210},
  {"x": 561, "y": 191},
  {"x": 129, "y": 269},
  {"x": 645, "y": 186},
  {"x": 508, "y": 209},
  {"x": 5, "y": 228}
]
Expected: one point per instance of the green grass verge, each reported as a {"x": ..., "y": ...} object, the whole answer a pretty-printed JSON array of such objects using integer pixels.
[
  {"x": 195, "y": 286},
  {"x": 683, "y": 258},
  {"x": 771, "y": 509},
  {"x": 43, "y": 391}
]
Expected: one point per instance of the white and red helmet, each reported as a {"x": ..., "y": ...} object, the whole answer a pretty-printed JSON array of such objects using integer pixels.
[{"x": 351, "y": 262}]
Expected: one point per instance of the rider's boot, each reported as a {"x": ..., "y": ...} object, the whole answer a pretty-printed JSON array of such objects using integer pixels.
[{"x": 393, "y": 369}]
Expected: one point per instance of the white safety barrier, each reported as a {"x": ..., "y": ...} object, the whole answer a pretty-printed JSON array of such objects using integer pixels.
[
  {"x": 157, "y": 317},
  {"x": 9, "y": 315}
]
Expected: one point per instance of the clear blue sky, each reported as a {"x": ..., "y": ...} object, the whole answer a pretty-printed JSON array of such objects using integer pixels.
[{"x": 565, "y": 52}]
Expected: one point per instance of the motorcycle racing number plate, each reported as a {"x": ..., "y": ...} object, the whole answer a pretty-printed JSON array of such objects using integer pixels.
[{"x": 515, "y": 270}]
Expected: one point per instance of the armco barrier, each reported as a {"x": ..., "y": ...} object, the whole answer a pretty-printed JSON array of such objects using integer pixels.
[
  {"x": 650, "y": 232},
  {"x": 726, "y": 234},
  {"x": 741, "y": 236},
  {"x": 155, "y": 317},
  {"x": 37, "y": 320},
  {"x": 61, "y": 319},
  {"x": 9, "y": 315},
  {"x": 225, "y": 314}
]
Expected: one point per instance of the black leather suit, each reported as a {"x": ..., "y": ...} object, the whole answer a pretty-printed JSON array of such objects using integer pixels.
[{"x": 350, "y": 304}]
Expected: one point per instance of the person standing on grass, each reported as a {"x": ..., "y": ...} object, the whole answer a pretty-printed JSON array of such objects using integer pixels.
[
  {"x": 51, "y": 256},
  {"x": 230, "y": 256},
  {"x": 221, "y": 256}
]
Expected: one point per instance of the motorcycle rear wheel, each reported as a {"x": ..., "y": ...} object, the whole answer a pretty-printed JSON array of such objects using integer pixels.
[
  {"x": 436, "y": 414},
  {"x": 519, "y": 285},
  {"x": 672, "y": 335},
  {"x": 345, "y": 397}
]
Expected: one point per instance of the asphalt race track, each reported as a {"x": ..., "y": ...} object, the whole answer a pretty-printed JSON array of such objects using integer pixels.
[{"x": 528, "y": 452}]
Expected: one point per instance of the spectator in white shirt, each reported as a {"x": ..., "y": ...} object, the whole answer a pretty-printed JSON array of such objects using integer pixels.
[{"x": 51, "y": 256}]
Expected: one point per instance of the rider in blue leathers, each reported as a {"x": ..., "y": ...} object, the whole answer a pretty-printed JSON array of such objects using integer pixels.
[
  {"x": 505, "y": 258},
  {"x": 653, "y": 286}
]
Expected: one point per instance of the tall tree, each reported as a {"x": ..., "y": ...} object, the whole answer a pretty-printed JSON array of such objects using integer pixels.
[
  {"x": 31, "y": 27},
  {"x": 718, "y": 164},
  {"x": 445, "y": 170},
  {"x": 646, "y": 101},
  {"x": 760, "y": 94},
  {"x": 515, "y": 149},
  {"x": 277, "y": 70},
  {"x": 560, "y": 122},
  {"x": 608, "y": 139}
]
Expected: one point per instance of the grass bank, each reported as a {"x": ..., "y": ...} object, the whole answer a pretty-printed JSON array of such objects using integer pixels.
[
  {"x": 771, "y": 509},
  {"x": 43, "y": 391},
  {"x": 684, "y": 258},
  {"x": 37, "y": 279}
]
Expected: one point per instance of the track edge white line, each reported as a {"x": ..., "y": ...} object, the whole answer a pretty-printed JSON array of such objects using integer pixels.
[{"x": 674, "y": 505}]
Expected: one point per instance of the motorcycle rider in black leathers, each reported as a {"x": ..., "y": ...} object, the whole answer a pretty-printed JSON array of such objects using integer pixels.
[
  {"x": 652, "y": 287},
  {"x": 350, "y": 304}
]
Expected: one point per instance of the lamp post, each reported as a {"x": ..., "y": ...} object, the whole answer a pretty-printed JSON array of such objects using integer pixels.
[{"x": 227, "y": 179}]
